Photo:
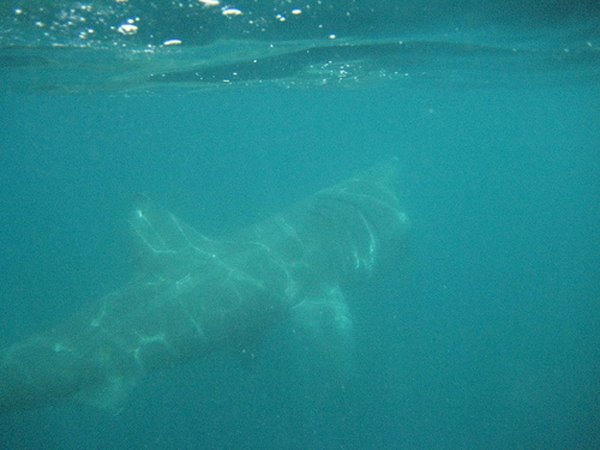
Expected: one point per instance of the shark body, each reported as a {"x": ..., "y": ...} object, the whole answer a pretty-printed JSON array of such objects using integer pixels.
[{"x": 197, "y": 295}]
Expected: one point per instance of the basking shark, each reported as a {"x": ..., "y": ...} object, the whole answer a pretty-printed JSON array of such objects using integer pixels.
[{"x": 195, "y": 295}]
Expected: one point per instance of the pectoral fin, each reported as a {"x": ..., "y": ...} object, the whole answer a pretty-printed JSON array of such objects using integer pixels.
[{"x": 326, "y": 323}]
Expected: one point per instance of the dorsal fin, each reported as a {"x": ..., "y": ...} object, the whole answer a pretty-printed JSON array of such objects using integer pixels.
[{"x": 164, "y": 239}]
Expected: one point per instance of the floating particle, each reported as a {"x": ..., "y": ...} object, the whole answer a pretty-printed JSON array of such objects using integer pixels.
[
  {"x": 128, "y": 29},
  {"x": 172, "y": 42},
  {"x": 231, "y": 12}
]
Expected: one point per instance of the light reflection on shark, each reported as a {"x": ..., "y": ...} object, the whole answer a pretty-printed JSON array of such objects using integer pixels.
[{"x": 197, "y": 295}]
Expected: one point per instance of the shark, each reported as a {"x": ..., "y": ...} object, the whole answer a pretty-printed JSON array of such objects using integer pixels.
[{"x": 194, "y": 295}]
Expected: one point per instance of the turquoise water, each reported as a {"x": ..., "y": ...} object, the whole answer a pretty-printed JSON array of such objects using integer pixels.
[{"x": 489, "y": 334}]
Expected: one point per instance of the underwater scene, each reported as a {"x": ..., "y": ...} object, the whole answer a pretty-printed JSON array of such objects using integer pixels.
[{"x": 269, "y": 224}]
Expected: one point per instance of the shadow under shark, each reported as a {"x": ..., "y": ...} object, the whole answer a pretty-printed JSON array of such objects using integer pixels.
[{"x": 197, "y": 295}]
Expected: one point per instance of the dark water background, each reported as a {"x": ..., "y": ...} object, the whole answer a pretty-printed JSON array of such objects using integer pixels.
[{"x": 488, "y": 338}]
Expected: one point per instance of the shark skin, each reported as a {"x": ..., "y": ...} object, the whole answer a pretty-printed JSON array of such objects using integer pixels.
[{"x": 195, "y": 295}]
